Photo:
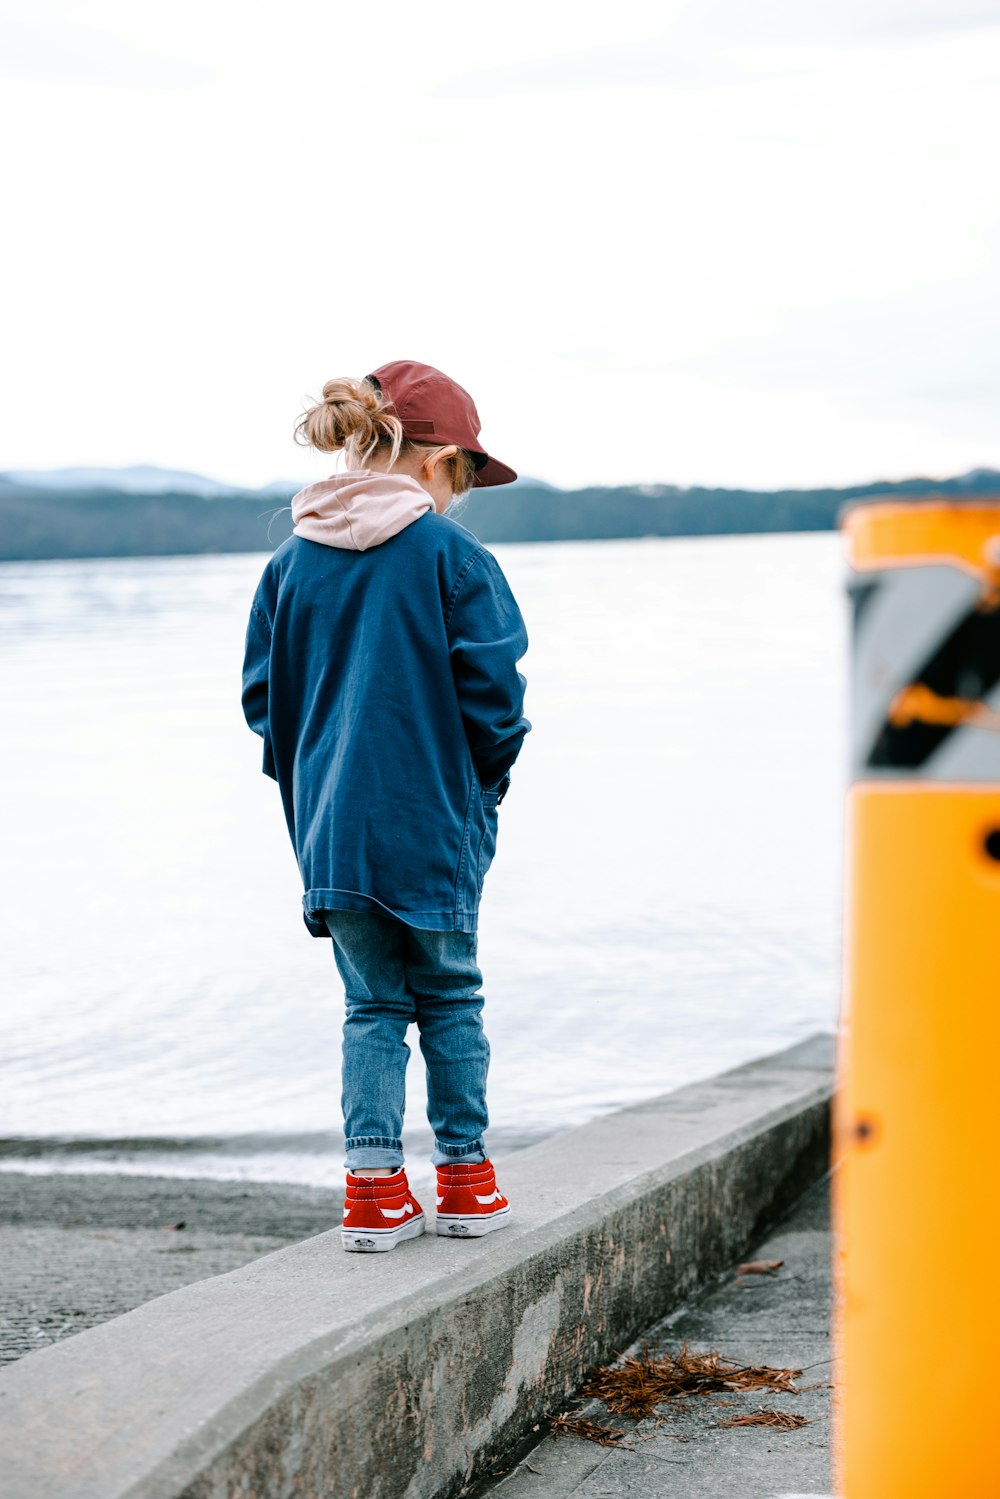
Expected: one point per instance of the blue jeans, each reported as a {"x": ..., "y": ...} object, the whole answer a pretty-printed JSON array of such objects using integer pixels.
[{"x": 394, "y": 974}]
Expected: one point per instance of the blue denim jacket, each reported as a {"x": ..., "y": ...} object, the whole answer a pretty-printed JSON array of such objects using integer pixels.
[{"x": 385, "y": 687}]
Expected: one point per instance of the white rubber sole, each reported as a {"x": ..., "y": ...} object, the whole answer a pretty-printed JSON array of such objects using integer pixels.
[
  {"x": 471, "y": 1225},
  {"x": 372, "y": 1240}
]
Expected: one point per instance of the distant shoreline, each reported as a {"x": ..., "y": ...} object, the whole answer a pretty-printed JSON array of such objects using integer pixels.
[
  {"x": 53, "y": 524},
  {"x": 7, "y": 561}
]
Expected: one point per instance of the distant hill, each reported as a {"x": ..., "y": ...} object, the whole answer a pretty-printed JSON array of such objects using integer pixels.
[
  {"x": 145, "y": 478},
  {"x": 122, "y": 512},
  {"x": 139, "y": 479}
]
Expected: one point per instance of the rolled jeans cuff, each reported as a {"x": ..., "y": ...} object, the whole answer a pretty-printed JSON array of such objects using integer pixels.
[
  {"x": 445, "y": 1155},
  {"x": 372, "y": 1150}
]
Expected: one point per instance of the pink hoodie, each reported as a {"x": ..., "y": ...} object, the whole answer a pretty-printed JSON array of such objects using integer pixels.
[{"x": 358, "y": 508}]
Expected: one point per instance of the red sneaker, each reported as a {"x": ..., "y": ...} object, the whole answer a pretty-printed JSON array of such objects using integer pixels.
[
  {"x": 468, "y": 1200},
  {"x": 380, "y": 1211}
]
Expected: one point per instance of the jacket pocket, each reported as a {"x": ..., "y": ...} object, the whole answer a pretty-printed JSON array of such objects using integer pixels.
[
  {"x": 488, "y": 843},
  {"x": 498, "y": 791}
]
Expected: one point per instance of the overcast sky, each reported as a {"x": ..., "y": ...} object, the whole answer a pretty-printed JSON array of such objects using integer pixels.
[{"x": 703, "y": 243}]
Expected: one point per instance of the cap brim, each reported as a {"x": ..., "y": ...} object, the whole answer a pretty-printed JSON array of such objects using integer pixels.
[{"x": 493, "y": 472}]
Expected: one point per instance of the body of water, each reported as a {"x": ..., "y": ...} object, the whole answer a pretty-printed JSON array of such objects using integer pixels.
[{"x": 665, "y": 900}]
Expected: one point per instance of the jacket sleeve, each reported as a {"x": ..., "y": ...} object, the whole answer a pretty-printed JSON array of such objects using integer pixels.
[
  {"x": 487, "y": 637},
  {"x": 256, "y": 666}
]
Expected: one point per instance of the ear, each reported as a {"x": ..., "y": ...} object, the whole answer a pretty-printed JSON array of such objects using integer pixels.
[{"x": 429, "y": 465}]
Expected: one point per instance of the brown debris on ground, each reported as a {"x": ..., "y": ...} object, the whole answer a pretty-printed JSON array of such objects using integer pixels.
[
  {"x": 759, "y": 1267},
  {"x": 781, "y": 1420},
  {"x": 580, "y": 1426},
  {"x": 635, "y": 1386}
]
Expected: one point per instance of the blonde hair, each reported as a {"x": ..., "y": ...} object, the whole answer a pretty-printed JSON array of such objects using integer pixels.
[{"x": 354, "y": 416}]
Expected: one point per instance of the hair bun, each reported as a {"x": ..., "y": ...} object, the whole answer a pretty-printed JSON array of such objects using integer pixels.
[{"x": 352, "y": 413}]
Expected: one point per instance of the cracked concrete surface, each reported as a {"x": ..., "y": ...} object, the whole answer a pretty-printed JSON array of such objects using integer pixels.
[{"x": 782, "y": 1320}]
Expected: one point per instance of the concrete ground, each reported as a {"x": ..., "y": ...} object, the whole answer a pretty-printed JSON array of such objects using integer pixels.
[
  {"x": 228, "y": 1383},
  {"x": 79, "y": 1249},
  {"x": 782, "y": 1320}
]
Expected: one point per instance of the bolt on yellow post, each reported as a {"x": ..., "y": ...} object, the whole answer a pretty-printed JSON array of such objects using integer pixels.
[{"x": 917, "y": 1113}]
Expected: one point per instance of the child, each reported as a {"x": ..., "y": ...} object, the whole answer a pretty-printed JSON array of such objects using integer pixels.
[{"x": 380, "y": 671}]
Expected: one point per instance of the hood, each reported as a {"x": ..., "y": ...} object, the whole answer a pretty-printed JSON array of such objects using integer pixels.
[{"x": 359, "y": 508}]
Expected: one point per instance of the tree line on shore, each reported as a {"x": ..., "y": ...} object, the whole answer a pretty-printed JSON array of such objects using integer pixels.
[{"x": 38, "y": 523}]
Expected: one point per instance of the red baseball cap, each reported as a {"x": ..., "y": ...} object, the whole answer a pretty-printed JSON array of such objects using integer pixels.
[{"x": 435, "y": 409}]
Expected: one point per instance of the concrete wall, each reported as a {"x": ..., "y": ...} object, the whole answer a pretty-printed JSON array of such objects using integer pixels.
[{"x": 312, "y": 1372}]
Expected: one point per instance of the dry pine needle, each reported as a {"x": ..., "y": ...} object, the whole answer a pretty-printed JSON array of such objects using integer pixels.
[
  {"x": 780, "y": 1420},
  {"x": 635, "y": 1386},
  {"x": 581, "y": 1426}
]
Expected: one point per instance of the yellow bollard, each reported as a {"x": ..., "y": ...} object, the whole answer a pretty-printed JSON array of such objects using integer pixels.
[{"x": 916, "y": 1134}]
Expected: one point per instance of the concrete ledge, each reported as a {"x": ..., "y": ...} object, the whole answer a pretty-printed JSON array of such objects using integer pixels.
[{"x": 312, "y": 1372}]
